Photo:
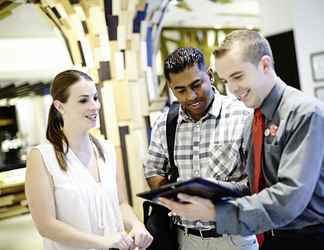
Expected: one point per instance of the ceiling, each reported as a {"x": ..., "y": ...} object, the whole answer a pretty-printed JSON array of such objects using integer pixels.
[
  {"x": 206, "y": 13},
  {"x": 38, "y": 52}
]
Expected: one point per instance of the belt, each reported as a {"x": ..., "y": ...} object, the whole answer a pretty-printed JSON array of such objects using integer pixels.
[
  {"x": 314, "y": 230},
  {"x": 211, "y": 233}
]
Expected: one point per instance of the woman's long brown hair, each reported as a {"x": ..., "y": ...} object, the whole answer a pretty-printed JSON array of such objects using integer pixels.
[{"x": 60, "y": 91}]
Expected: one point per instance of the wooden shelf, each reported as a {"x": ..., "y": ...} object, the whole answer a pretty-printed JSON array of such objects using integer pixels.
[
  {"x": 8, "y": 200},
  {"x": 10, "y": 211},
  {"x": 12, "y": 193}
]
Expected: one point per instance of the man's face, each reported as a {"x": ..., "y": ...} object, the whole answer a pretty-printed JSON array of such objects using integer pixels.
[
  {"x": 244, "y": 79},
  {"x": 192, "y": 87}
]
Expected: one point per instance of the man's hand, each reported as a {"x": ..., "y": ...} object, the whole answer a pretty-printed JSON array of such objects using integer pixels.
[{"x": 195, "y": 208}]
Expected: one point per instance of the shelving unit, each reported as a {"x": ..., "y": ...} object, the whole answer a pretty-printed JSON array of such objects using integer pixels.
[{"x": 12, "y": 193}]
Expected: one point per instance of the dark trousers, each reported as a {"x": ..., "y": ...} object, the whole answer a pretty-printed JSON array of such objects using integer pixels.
[{"x": 293, "y": 241}]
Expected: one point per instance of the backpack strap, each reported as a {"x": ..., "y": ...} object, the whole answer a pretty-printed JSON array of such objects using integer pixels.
[{"x": 171, "y": 126}]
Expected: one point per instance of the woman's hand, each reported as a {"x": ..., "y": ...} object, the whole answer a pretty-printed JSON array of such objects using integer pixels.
[
  {"x": 142, "y": 237},
  {"x": 121, "y": 241}
]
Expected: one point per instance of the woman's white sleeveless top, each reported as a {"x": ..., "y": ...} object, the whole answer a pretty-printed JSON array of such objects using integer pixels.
[{"x": 80, "y": 201}]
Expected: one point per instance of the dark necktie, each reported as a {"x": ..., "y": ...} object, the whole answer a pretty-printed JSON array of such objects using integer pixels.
[{"x": 257, "y": 137}]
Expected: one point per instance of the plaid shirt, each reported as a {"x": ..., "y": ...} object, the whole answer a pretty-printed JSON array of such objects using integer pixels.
[{"x": 208, "y": 148}]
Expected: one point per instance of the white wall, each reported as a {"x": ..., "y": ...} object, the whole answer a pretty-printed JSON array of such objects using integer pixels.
[
  {"x": 31, "y": 47},
  {"x": 309, "y": 38},
  {"x": 276, "y": 16},
  {"x": 306, "y": 19},
  {"x": 32, "y": 115},
  {"x": 32, "y": 59}
]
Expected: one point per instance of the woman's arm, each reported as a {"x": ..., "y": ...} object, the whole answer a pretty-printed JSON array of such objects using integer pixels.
[
  {"x": 137, "y": 229},
  {"x": 39, "y": 192},
  {"x": 129, "y": 217}
]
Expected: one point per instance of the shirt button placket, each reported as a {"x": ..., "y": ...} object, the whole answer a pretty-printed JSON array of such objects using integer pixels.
[{"x": 196, "y": 137}]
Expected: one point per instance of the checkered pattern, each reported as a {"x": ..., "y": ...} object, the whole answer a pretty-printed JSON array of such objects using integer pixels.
[{"x": 208, "y": 148}]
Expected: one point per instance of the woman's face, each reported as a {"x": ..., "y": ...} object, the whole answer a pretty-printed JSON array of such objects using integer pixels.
[{"x": 80, "y": 112}]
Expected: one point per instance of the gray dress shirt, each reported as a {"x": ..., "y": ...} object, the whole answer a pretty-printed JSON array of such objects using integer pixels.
[{"x": 293, "y": 167}]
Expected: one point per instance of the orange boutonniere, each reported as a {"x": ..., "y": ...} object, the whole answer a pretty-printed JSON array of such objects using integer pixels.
[{"x": 272, "y": 130}]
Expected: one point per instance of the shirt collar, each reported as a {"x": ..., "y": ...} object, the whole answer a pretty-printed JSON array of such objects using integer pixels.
[
  {"x": 272, "y": 101},
  {"x": 214, "y": 110}
]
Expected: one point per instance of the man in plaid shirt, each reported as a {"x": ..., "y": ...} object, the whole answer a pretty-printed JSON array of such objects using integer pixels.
[{"x": 208, "y": 144}]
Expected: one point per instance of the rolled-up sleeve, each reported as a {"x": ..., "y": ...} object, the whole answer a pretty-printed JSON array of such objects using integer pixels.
[
  {"x": 298, "y": 177},
  {"x": 156, "y": 162}
]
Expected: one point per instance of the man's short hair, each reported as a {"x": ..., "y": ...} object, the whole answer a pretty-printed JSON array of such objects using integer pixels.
[
  {"x": 181, "y": 59},
  {"x": 251, "y": 43}
]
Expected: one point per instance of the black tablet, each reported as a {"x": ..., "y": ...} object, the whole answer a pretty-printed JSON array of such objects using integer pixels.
[{"x": 197, "y": 186}]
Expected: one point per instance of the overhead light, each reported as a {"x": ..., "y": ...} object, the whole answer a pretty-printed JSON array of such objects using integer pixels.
[{"x": 211, "y": 37}]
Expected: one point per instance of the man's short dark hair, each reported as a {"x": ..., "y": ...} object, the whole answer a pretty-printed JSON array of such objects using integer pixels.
[{"x": 181, "y": 59}]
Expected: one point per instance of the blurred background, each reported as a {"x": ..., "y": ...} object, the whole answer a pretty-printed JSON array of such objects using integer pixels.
[{"x": 122, "y": 45}]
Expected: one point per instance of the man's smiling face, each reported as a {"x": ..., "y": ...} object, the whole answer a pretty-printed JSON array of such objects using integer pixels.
[
  {"x": 192, "y": 87},
  {"x": 244, "y": 79}
]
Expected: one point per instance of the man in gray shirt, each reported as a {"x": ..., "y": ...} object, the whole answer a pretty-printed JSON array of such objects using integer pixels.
[{"x": 290, "y": 207}]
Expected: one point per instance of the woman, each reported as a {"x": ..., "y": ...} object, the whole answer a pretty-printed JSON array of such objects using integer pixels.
[{"x": 75, "y": 195}]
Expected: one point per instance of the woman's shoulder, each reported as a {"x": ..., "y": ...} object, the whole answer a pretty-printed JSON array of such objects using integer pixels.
[
  {"x": 40, "y": 153},
  {"x": 106, "y": 144},
  {"x": 43, "y": 147},
  {"x": 103, "y": 141}
]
